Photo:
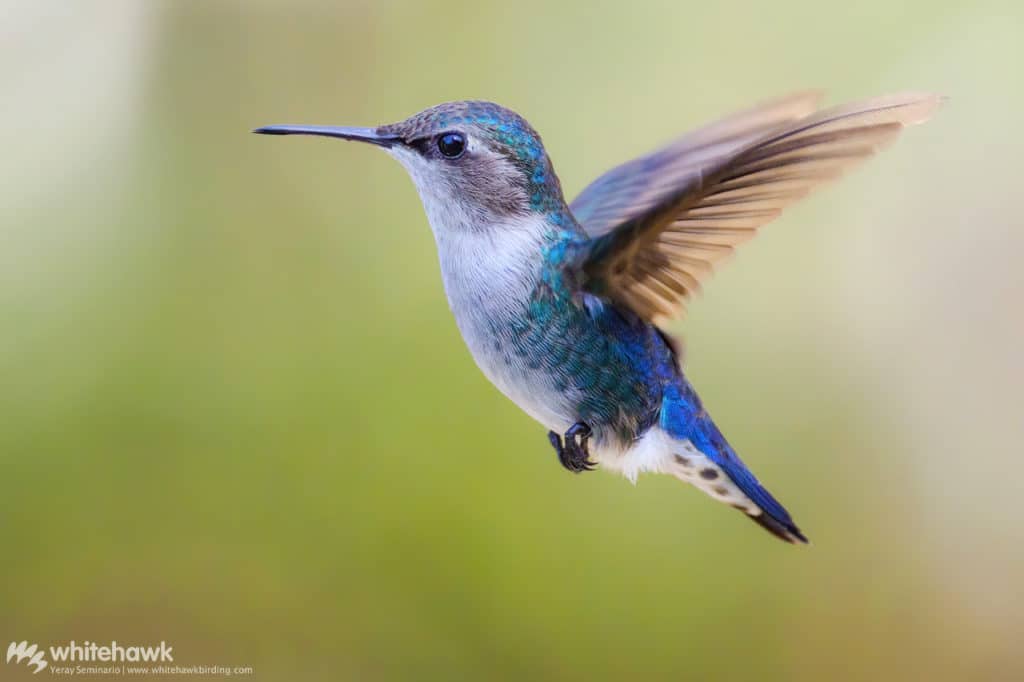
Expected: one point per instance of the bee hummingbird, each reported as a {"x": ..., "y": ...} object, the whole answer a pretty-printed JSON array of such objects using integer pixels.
[{"x": 562, "y": 304}]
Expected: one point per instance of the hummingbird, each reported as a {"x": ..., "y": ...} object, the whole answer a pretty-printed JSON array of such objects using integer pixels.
[{"x": 564, "y": 305}]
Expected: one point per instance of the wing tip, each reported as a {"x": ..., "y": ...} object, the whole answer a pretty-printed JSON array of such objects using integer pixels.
[
  {"x": 927, "y": 101},
  {"x": 908, "y": 108},
  {"x": 921, "y": 105}
]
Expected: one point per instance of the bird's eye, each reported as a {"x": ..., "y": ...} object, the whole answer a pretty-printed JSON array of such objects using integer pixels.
[{"x": 451, "y": 145}]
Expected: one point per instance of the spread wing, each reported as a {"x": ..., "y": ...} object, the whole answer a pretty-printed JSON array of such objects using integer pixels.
[
  {"x": 660, "y": 223},
  {"x": 637, "y": 185}
]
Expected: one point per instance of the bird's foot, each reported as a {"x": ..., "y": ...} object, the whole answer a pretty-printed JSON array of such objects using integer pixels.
[{"x": 574, "y": 451}]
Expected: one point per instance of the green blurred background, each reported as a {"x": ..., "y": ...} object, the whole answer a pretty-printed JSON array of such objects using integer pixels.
[{"x": 236, "y": 415}]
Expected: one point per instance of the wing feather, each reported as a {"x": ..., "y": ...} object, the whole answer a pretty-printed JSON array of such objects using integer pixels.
[
  {"x": 639, "y": 184},
  {"x": 661, "y": 223}
]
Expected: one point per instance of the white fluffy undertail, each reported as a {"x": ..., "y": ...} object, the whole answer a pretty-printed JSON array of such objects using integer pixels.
[{"x": 658, "y": 452}]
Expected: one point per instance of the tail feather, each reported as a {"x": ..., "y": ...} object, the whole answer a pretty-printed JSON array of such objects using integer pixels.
[
  {"x": 702, "y": 457},
  {"x": 773, "y": 517},
  {"x": 783, "y": 531}
]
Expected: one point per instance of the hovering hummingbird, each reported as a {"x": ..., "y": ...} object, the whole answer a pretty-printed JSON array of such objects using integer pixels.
[{"x": 562, "y": 304}]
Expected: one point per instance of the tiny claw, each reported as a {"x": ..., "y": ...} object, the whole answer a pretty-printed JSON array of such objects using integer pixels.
[{"x": 572, "y": 449}]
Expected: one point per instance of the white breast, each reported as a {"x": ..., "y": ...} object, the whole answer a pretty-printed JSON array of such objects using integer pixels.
[{"x": 489, "y": 275}]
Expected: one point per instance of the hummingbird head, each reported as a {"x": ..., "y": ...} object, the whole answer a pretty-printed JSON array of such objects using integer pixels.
[{"x": 475, "y": 164}]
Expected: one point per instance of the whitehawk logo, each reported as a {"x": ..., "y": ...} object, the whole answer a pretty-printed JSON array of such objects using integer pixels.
[{"x": 33, "y": 653}]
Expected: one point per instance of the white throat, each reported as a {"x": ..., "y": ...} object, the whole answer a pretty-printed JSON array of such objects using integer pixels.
[{"x": 490, "y": 269}]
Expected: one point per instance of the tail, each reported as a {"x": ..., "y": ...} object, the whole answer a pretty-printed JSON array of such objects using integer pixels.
[{"x": 702, "y": 457}]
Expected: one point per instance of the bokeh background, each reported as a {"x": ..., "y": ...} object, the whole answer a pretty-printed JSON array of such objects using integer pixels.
[{"x": 236, "y": 415}]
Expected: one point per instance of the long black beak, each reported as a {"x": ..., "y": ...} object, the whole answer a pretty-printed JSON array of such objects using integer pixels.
[{"x": 358, "y": 134}]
